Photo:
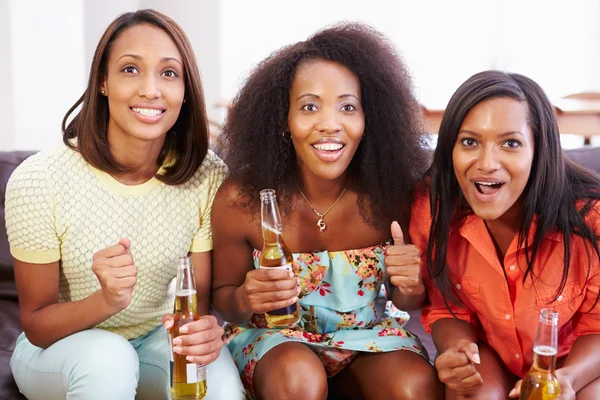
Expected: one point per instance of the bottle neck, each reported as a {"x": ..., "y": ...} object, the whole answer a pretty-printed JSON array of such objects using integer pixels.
[
  {"x": 272, "y": 228},
  {"x": 545, "y": 346},
  {"x": 185, "y": 282}
]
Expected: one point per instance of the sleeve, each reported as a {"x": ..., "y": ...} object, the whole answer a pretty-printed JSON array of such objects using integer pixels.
[
  {"x": 215, "y": 171},
  {"x": 30, "y": 214},
  {"x": 420, "y": 225},
  {"x": 587, "y": 319}
]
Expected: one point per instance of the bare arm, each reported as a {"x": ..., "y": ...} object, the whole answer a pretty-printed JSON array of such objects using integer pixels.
[
  {"x": 202, "y": 273},
  {"x": 232, "y": 255},
  {"x": 44, "y": 319},
  {"x": 447, "y": 332},
  {"x": 583, "y": 362},
  {"x": 408, "y": 302}
]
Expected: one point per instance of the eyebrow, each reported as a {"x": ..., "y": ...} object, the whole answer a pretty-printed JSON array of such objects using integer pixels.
[
  {"x": 502, "y": 135},
  {"x": 138, "y": 57},
  {"x": 341, "y": 96}
]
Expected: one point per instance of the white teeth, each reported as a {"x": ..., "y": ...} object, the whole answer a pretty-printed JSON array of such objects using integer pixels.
[
  {"x": 488, "y": 183},
  {"x": 150, "y": 112},
  {"x": 328, "y": 146}
]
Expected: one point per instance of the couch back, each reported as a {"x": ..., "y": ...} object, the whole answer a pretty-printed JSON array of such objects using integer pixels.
[
  {"x": 588, "y": 157},
  {"x": 8, "y": 162}
]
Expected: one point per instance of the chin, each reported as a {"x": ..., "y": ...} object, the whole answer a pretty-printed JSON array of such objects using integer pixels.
[{"x": 487, "y": 214}]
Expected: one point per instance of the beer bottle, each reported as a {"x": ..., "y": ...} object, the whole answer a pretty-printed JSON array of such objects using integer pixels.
[
  {"x": 275, "y": 254},
  {"x": 541, "y": 383},
  {"x": 188, "y": 380}
]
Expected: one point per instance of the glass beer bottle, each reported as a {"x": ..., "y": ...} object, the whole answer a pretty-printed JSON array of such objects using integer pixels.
[
  {"x": 275, "y": 254},
  {"x": 541, "y": 383},
  {"x": 188, "y": 380}
]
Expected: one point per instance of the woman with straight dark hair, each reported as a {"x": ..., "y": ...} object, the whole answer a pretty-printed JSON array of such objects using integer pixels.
[
  {"x": 96, "y": 227},
  {"x": 509, "y": 227}
]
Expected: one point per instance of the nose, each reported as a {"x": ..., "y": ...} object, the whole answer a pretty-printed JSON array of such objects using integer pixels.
[
  {"x": 328, "y": 121},
  {"x": 149, "y": 87},
  {"x": 488, "y": 159}
]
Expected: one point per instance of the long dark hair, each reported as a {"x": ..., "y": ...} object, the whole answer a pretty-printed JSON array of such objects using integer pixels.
[
  {"x": 390, "y": 158},
  {"x": 554, "y": 187},
  {"x": 188, "y": 138}
]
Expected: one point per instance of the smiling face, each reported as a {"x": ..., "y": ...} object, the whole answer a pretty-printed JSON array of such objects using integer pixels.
[
  {"x": 144, "y": 84},
  {"x": 325, "y": 118},
  {"x": 492, "y": 157}
]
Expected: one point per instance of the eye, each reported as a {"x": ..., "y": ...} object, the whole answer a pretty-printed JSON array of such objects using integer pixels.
[
  {"x": 309, "y": 107},
  {"x": 512, "y": 144},
  {"x": 348, "y": 107},
  {"x": 130, "y": 69},
  {"x": 170, "y": 73},
  {"x": 468, "y": 142}
]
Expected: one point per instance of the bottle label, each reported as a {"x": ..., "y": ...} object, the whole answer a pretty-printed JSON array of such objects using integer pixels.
[
  {"x": 191, "y": 373},
  {"x": 287, "y": 267}
]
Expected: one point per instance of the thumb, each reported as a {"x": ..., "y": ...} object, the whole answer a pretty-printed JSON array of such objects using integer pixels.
[
  {"x": 167, "y": 321},
  {"x": 471, "y": 350},
  {"x": 516, "y": 390},
  {"x": 126, "y": 243},
  {"x": 397, "y": 234}
]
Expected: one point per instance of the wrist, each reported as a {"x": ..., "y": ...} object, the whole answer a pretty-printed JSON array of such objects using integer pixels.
[
  {"x": 239, "y": 300},
  {"x": 105, "y": 309}
]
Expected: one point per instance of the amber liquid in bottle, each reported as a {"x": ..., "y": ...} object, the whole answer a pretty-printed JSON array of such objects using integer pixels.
[
  {"x": 541, "y": 383},
  {"x": 188, "y": 380},
  {"x": 275, "y": 254}
]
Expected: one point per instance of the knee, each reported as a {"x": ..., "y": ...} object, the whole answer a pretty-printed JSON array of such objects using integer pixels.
[
  {"x": 421, "y": 382},
  {"x": 109, "y": 357},
  {"x": 293, "y": 376}
]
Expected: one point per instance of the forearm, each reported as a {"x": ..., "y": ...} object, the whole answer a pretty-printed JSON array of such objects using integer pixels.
[
  {"x": 51, "y": 323},
  {"x": 582, "y": 365},
  {"x": 407, "y": 302},
  {"x": 227, "y": 302},
  {"x": 448, "y": 331}
]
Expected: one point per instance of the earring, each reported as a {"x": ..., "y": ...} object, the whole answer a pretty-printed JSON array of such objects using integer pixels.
[
  {"x": 283, "y": 134},
  {"x": 184, "y": 100},
  {"x": 103, "y": 92}
]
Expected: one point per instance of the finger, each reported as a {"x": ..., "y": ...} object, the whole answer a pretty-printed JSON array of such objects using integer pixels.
[
  {"x": 125, "y": 283},
  {"x": 271, "y": 274},
  {"x": 275, "y": 305},
  {"x": 403, "y": 249},
  {"x": 463, "y": 373},
  {"x": 124, "y": 272},
  {"x": 167, "y": 321},
  {"x": 192, "y": 339},
  {"x": 397, "y": 234},
  {"x": 206, "y": 322},
  {"x": 451, "y": 359},
  {"x": 120, "y": 260},
  {"x": 411, "y": 268},
  {"x": 199, "y": 350},
  {"x": 470, "y": 349},
  {"x": 406, "y": 282},
  {"x": 516, "y": 392},
  {"x": 272, "y": 286},
  {"x": 112, "y": 251},
  {"x": 270, "y": 297}
]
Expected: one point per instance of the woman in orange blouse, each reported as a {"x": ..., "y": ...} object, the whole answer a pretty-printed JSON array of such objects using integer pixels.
[{"x": 515, "y": 229}]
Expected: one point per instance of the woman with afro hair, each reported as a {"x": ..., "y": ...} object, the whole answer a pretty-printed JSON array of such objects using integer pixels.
[{"x": 333, "y": 126}]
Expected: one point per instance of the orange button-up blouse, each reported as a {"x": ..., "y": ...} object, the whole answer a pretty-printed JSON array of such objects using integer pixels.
[{"x": 505, "y": 311}]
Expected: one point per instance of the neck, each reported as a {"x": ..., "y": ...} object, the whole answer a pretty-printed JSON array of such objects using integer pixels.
[
  {"x": 138, "y": 156},
  {"x": 503, "y": 229},
  {"x": 322, "y": 192}
]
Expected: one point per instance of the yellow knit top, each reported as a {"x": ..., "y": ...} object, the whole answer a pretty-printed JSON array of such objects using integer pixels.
[{"x": 58, "y": 207}]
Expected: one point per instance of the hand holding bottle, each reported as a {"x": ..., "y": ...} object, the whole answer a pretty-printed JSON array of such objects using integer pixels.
[
  {"x": 403, "y": 264},
  {"x": 200, "y": 341},
  {"x": 567, "y": 392},
  {"x": 117, "y": 274},
  {"x": 268, "y": 289},
  {"x": 456, "y": 368}
]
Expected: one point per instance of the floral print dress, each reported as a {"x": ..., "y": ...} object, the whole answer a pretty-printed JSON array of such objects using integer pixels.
[{"x": 344, "y": 309}]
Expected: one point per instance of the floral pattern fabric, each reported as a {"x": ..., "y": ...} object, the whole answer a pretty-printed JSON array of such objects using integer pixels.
[{"x": 344, "y": 309}]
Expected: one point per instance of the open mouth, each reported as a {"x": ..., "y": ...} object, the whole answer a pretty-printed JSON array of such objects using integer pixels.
[
  {"x": 328, "y": 147},
  {"x": 488, "y": 187},
  {"x": 148, "y": 112}
]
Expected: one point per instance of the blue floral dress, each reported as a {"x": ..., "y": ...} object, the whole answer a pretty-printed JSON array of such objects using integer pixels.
[{"x": 344, "y": 309}]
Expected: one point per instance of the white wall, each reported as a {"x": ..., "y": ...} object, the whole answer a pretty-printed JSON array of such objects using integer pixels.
[{"x": 7, "y": 115}]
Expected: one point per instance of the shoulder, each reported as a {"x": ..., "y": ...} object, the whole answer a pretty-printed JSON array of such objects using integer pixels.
[
  {"x": 212, "y": 168},
  {"x": 40, "y": 167},
  {"x": 592, "y": 216}
]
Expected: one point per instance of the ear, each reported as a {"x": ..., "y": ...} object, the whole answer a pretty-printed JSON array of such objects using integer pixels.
[{"x": 102, "y": 88}]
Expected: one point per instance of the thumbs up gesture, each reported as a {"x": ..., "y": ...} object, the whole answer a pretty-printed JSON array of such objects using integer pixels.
[{"x": 403, "y": 264}]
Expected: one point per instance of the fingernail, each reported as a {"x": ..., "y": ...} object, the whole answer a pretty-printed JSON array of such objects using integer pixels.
[
  {"x": 190, "y": 358},
  {"x": 177, "y": 349},
  {"x": 513, "y": 392},
  {"x": 298, "y": 290},
  {"x": 291, "y": 274},
  {"x": 183, "y": 329},
  {"x": 176, "y": 341},
  {"x": 476, "y": 359}
]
